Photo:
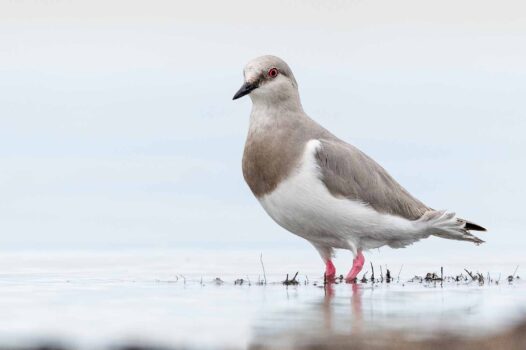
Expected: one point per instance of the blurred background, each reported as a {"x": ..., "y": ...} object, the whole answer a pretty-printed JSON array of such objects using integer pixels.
[
  {"x": 124, "y": 216},
  {"x": 117, "y": 128}
]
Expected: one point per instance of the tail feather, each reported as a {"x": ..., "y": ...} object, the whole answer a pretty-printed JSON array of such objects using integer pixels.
[
  {"x": 471, "y": 226},
  {"x": 447, "y": 225}
]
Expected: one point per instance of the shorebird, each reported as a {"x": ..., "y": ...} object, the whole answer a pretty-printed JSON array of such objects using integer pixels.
[{"x": 321, "y": 188}]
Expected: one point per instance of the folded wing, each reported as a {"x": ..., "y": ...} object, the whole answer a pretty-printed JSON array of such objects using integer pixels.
[{"x": 348, "y": 172}]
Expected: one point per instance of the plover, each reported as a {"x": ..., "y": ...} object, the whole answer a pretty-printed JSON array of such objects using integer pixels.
[{"x": 321, "y": 188}]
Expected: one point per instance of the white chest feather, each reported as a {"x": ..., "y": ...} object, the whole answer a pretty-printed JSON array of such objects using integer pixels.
[{"x": 303, "y": 205}]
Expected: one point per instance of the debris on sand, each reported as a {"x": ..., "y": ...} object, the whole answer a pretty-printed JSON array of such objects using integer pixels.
[
  {"x": 292, "y": 282},
  {"x": 512, "y": 277},
  {"x": 432, "y": 277},
  {"x": 364, "y": 278},
  {"x": 469, "y": 277},
  {"x": 478, "y": 277}
]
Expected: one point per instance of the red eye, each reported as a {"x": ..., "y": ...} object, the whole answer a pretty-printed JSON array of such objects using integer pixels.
[{"x": 273, "y": 72}]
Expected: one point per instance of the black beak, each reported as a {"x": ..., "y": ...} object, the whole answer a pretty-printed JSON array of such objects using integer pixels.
[{"x": 245, "y": 90}]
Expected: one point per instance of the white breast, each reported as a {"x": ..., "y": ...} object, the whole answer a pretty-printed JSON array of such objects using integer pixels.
[{"x": 303, "y": 205}]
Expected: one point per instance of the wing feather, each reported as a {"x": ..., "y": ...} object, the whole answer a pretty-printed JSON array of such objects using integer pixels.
[{"x": 348, "y": 172}]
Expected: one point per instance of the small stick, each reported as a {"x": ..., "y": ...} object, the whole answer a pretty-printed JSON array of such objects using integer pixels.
[
  {"x": 514, "y": 272},
  {"x": 364, "y": 278},
  {"x": 263, "y": 267},
  {"x": 381, "y": 275},
  {"x": 399, "y": 272},
  {"x": 372, "y": 272},
  {"x": 294, "y": 278},
  {"x": 470, "y": 275},
  {"x": 441, "y": 276}
]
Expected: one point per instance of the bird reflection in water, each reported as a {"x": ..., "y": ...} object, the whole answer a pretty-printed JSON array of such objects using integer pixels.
[{"x": 356, "y": 314}]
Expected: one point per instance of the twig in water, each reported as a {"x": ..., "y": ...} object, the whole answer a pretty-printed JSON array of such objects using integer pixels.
[
  {"x": 293, "y": 281},
  {"x": 515, "y": 272},
  {"x": 399, "y": 272},
  {"x": 263, "y": 267},
  {"x": 470, "y": 274},
  {"x": 432, "y": 277},
  {"x": 372, "y": 273},
  {"x": 364, "y": 278},
  {"x": 296, "y": 275}
]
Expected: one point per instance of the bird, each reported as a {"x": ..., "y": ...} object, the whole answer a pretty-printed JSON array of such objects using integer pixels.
[{"x": 322, "y": 188}]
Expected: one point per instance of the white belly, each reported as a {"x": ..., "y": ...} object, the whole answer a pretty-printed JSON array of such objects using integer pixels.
[{"x": 303, "y": 205}]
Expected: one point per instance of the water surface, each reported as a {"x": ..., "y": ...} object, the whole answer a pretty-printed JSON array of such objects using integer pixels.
[{"x": 94, "y": 300}]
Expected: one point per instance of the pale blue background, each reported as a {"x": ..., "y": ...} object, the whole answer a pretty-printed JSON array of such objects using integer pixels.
[{"x": 117, "y": 127}]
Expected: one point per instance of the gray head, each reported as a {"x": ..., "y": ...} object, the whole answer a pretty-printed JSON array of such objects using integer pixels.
[{"x": 268, "y": 79}]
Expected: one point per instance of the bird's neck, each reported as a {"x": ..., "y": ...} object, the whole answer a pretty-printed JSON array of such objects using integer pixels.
[
  {"x": 269, "y": 110},
  {"x": 285, "y": 99}
]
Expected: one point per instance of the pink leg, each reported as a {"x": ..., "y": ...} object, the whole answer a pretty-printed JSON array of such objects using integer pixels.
[
  {"x": 330, "y": 270},
  {"x": 357, "y": 265}
]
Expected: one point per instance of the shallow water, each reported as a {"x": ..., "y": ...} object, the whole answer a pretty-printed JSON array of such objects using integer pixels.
[{"x": 94, "y": 300}]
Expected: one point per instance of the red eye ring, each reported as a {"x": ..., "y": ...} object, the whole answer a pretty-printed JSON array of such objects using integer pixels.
[{"x": 273, "y": 72}]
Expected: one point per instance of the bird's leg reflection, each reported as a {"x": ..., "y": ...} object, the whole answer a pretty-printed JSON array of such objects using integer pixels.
[
  {"x": 328, "y": 285},
  {"x": 327, "y": 305},
  {"x": 356, "y": 308},
  {"x": 356, "y": 316}
]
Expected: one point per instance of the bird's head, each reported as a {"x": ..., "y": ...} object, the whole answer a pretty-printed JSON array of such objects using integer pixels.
[{"x": 268, "y": 79}]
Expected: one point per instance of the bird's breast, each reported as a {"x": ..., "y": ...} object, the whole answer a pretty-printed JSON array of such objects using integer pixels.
[{"x": 267, "y": 160}]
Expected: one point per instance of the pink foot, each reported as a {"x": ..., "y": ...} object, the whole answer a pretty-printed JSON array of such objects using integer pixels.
[
  {"x": 357, "y": 265},
  {"x": 330, "y": 270}
]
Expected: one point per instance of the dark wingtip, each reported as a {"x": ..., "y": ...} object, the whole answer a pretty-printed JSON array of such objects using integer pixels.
[{"x": 474, "y": 227}]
